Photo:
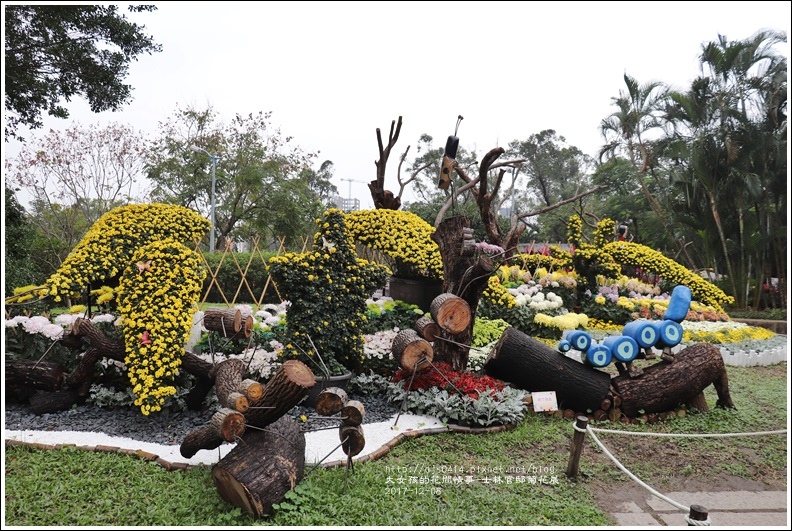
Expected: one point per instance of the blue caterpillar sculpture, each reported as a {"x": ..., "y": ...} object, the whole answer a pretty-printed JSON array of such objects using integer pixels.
[{"x": 637, "y": 337}]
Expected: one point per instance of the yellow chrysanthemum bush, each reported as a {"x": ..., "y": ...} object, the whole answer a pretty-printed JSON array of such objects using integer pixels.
[
  {"x": 111, "y": 241},
  {"x": 403, "y": 237},
  {"x": 157, "y": 303},
  {"x": 574, "y": 229},
  {"x": 650, "y": 260},
  {"x": 327, "y": 289}
]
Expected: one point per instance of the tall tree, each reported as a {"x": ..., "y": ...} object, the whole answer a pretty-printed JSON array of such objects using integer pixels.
[
  {"x": 255, "y": 164},
  {"x": 73, "y": 177},
  {"x": 54, "y": 52},
  {"x": 19, "y": 234},
  {"x": 554, "y": 172},
  {"x": 726, "y": 128}
]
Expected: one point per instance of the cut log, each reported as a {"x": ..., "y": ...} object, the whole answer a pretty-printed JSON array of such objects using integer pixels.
[
  {"x": 247, "y": 326},
  {"x": 283, "y": 391},
  {"x": 226, "y": 322},
  {"x": 531, "y": 365},
  {"x": 226, "y": 425},
  {"x": 44, "y": 375},
  {"x": 451, "y": 313},
  {"x": 257, "y": 474},
  {"x": 664, "y": 386},
  {"x": 352, "y": 439},
  {"x": 228, "y": 377},
  {"x": 237, "y": 401},
  {"x": 53, "y": 401},
  {"x": 427, "y": 328},
  {"x": 410, "y": 349},
  {"x": 330, "y": 401},
  {"x": 251, "y": 389},
  {"x": 353, "y": 413}
]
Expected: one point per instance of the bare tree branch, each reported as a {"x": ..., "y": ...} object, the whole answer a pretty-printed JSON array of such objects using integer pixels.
[{"x": 560, "y": 203}]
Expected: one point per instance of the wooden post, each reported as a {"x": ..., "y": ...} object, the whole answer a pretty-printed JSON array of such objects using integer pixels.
[
  {"x": 577, "y": 447},
  {"x": 699, "y": 514}
]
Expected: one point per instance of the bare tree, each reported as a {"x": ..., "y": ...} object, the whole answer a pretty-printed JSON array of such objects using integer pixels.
[{"x": 385, "y": 198}]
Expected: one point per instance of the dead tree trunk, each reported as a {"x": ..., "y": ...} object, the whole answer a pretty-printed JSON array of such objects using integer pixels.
[
  {"x": 531, "y": 365},
  {"x": 258, "y": 473},
  {"x": 664, "y": 386},
  {"x": 465, "y": 276},
  {"x": 29, "y": 374},
  {"x": 385, "y": 198}
]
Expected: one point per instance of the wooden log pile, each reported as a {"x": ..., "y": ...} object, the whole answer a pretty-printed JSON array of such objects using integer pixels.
[{"x": 413, "y": 348}]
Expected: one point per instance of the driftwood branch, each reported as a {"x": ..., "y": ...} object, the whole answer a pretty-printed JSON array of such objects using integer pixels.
[
  {"x": 384, "y": 198},
  {"x": 560, "y": 203}
]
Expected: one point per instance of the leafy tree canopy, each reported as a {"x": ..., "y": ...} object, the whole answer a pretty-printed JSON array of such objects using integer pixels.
[{"x": 54, "y": 52}]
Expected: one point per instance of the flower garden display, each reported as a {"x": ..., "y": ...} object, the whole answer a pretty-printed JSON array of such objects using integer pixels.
[
  {"x": 327, "y": 289},
  {"x": 403, "y": 237}
]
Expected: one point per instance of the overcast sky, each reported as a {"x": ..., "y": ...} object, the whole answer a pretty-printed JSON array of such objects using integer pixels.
[{"x": 333, "y": 72}]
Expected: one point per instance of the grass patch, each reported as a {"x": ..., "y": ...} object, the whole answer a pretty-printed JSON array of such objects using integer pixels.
[{"x": 71, "y": 487}]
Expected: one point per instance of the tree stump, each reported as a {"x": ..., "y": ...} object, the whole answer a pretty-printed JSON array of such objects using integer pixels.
[
  {"x": 257, "y": 474},
  {"x": 464, "y": 275},
  {"x": 528, "y": 364},
  {"x": 227, "y": 322},
  {"x": 664, "y": 386},
  {"x": 451, "y": 313},
  {"x": 409, "y": 348}
]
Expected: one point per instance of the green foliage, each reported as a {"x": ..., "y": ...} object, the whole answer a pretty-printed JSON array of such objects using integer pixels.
[
  {"x": 19, "y": 235},
  {"x": 264, "y": 185},
  {"x": 299, "y": 502},
  {"x": 491, "y": 407},
  {"x": 389, "y": 315},
  {"x": 229, "y": 277},
  {"x": 56, "y": 52},
  {"x": 327, "y": 289},
  {"x": 486, "y": 331}
]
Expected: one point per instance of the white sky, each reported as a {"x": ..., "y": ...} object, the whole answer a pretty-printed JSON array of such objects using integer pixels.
[{"x": 333, "y": 72}]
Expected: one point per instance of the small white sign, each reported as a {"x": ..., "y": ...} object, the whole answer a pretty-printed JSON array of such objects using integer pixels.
[{"x": 544, "y": 401}]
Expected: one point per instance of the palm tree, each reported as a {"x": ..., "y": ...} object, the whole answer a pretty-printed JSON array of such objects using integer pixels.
[{"x": 714, "y": 128}]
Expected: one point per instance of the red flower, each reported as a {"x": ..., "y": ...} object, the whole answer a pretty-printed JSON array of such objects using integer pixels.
[{"x": 467, "y": 382}]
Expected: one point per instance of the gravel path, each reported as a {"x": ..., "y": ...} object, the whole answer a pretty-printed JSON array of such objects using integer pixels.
[{"x": 163, "y": 427}]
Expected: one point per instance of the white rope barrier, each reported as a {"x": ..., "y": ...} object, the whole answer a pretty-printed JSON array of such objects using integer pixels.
[
  {"x": 633, "y": 476},
  {"x": 690, "y": 521},
  {"x": 650, "y": 434}
]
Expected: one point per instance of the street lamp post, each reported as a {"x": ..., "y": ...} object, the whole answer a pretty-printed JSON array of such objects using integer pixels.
[{"x": 212, "y": 210}]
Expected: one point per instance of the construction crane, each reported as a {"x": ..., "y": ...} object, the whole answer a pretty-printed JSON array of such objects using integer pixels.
[{"x": 349, "y": 203}]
